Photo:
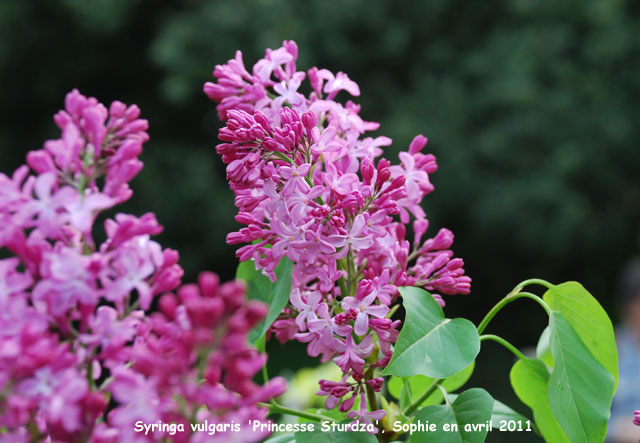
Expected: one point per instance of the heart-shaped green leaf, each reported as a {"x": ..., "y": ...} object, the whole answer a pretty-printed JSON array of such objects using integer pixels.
[
  {"x": 470, "y": 413},
  {"x": 580, "y": 388},
  {"x": 530, "y": 379},
  {"x": 589, "y": 320},
  {"x": 430, "y": 344},
  {"x": 409, "y": 389},
  {"x": 275, "y": 295}
]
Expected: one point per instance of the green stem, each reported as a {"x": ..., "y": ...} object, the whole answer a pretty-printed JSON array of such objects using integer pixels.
[
  {"x": 265, "y": 373},
  {"x": 92, "y": 382},
  {"x": 393, "y": 310},
  {"x": 350, "y": 274},
  {"x": 445, "y": 395},
  {"x": 504, "y": 343},
  {"x": 416, "y": 404},
  {"x": 33, "y": 430},
  {"x": 279, "y": 409},
  {"x": 506, "y": 300},
  {"x": 533, "y": 281},
  {"x": 535, "y": 298},
  {"x": 283, "y": 157},
  {"x": 372, "y": 400}
]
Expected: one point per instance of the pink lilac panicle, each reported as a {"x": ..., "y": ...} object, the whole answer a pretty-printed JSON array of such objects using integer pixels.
[
  {"x": 74, "y": 326},
  {"x": 309, "y": 185}
]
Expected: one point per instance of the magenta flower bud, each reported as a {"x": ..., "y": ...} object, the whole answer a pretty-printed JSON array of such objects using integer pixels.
[
  {"x": 342, "y": 318},
  {"x": 384, "y": 361},
  {"x": 401, "y": 231},
  {"x": 244, "y": 253},
  {"x": 136, "y": 126},
  {"x": 168, "y": 304},
  {"x": 117, "y": 109},
  {"x": 255, "y": 312},
  {"x": 209, "y": 283},
  {"x": 443, "y": 240},
  {"x": 233, "y": 238},
  {"x": 365, "y": 287},
  {"x": 338, "y": 220},
  {"x": 327, "y": 385},
  {"x": 346, "y": 405},
  {"x": 233, "y": 294},
  {"x": 316, "y": 81},
  {"x": 383, "y": 164},
  {"x": 402, "y": 257},
  {"x": 439, "y": 299},
  {"x": 188, "y": 292},
  {"x": 270, "y": 144},
  {"x": 383, "y": 176},
  {"x": 455, "y": 263},
  {"x": 420, "y": 226},
  {"x": 262, "y": 120},
  {"x": 204, "y": 312},
  {"x": 340, "y": 391},
  {"x": 403, "y": 279},
  {"x": 367, "y": 171},
  {"x": 274, "y": 388},
  {"x": 128, "y": 149},
  {"x": 426, "y": 163},
  {"x": 418, "y": 142},
  {"x": 463, "y": 285},
  {"x": 376, "y": 383},
  {"x": 213, "y": 374},
  {"x": 380, "y": 323},
  {"x": 132, "y": 112},
  {"x": 170, "y": 256},
  {"x": 167, "y": 278},
  {"x": 396, "y": 183},
  {"x": 310, "y": 121},
  {"x": 297, "y": 130},
  {"x": 257, "y": 132},
  {"x": 94, "y": 404},
  {"x": 636, "y": 419},
  {"x": 40, "y": 161},
  {"x": 226, "y": 135}
]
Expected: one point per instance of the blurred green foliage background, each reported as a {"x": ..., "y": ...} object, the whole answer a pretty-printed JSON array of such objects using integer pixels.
[{"x": 531, "y": 107}]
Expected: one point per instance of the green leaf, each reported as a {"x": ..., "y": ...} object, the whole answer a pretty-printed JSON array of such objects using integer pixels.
[
  {"x": 409, "y": 389},
  {"x": 543, "y": 350},
  {"x": 580, "y": 388},
  {"x": 406, "y": 391},
  {"x": 471, "y": 412},
  {"x": 430, "y": 344},
  {"x": 275, "y": 295},
  {"x": 530, "y": 379},
  {"x": 320, "y": 436},
  {"x": 589, "y": 320},
  {"x": 502, "y": 412}
]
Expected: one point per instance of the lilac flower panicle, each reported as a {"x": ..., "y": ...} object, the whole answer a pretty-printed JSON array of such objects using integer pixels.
[
  {"x": 74, "y": 326},
  {"x": 310, "y": 185}
]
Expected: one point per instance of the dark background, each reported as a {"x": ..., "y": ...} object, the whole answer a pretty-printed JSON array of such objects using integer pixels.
[{"x": 531, "y": 108}]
